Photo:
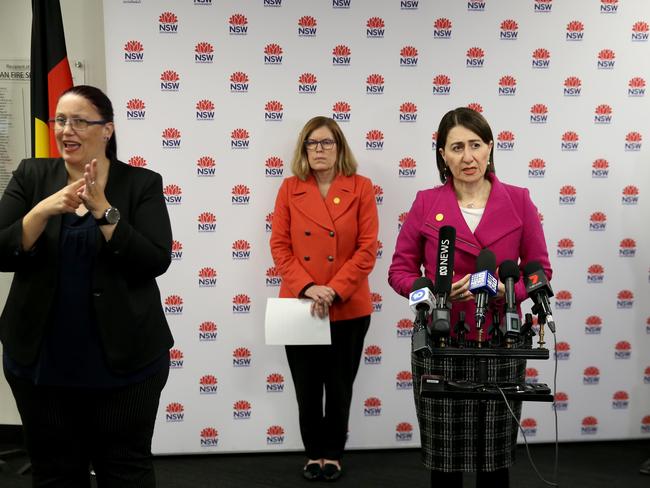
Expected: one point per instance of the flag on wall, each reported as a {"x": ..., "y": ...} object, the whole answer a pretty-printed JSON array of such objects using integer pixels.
[{"x": 50, "y": 73}]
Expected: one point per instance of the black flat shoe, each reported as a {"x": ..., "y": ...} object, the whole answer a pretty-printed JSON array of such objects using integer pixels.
[
  {"x": 331, "y": 472},
  {"x": 312, "y": 471}
]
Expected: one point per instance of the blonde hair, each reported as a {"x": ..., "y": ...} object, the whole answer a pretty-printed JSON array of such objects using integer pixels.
[{"x": 345, "y": 161}]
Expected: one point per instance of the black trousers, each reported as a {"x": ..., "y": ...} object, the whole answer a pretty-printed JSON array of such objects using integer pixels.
[
  {"x": 332, "y": 368},
  {"x": 484, "y": 479},
  {"x": 69, "y": 429}
]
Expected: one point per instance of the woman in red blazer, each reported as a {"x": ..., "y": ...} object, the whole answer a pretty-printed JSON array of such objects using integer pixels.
[{"x": 324, "y": 243}]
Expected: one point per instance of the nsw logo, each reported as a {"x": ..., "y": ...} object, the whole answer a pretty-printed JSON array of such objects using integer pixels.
[
  {"x": 241, "y": 303},
  {"x": 538, "y": 114},
  {"x": 404, "y": 328},
  {"x": 372, "y": 355},
  {"x": 640, "y": 31},
  {"x": 380, "y": 249},
  {"x": 633, "y": 141},
  {"x": 372, "y": 407},
  {"x": 207, "y": 222},
  {"x": 205, "y": 110},
  {"x": 404, "y": 432},
  {"x": 562, "y": 351},
  {"x": 574, "y": 31},
  {"x": 408, "y": 112},
  {"x": 273, "y": 111},
  {"x": 434, "y": 140},
  {"x": 636, "y": 87},
  {"x": 475, "y": 6},
  {"x": 374, "y": 140},
  {"x": 603, "y": 114},
  {"x": 529, "y": 427},
  {"x": 203, "y": 53},
  {"x": 630, "y": 195},
  {"x": 375, "y": 84},
  {"x": 608, "y": 6},
  {"x": 273, "y": 167},
  {"x": 272, "y": 54},
  {"x": 408, "y": 4},
  {"x": 593, "y": 325},
  {"x": 238, "y": 25},
  {"x": 173, "y": 194},
  {"x": 536, "y": 168},
  {"x": 541, "y": 58},
  {"x": 239, "y": 82},
  {"x": 570, "y": 141},
  {"x": 563, "y": 300},
  {"x": 135, "y": 109},
  {"x": 627, "y": 248},
  {"x": 209, "y": 435},
  {"x": 177, "y": 250},
  {"x": 565, "y": 248},
  {"x": 591, "y": 375},
  {"x": 169, "y": 81},
  {"x": 208, "y": 385},
  {"x": 646, "y": 376},
  {"x": 401, "y": 219},
  {"x": 175, "y": 412},
  {"x": 241, "y": 249},
  {"x": 407, "y": 168},
  {"x": 532, "y": 376},
  {"x": 375, "y": 27},
  {"x": 273, "y": 3},
  {"x": 475, "y": 57},
  {"x": 572, "y": 86},
  {"x": 168, "y": 23},
  {"x": 625, "y": 299},
  {"x": 507, "y": 86},
  {"x": 620, "y": 400},
  {"x": 600, "y": 168},
  {"x": 543, "y": 6},
  {"x": 171, "y": 138},
  {"x": 268, "y": 222},
  {"x": 241, "y": 195},
  {"x": 408, "y": 56},
  {"x": 606, "y": 59},
  {"x": 173, "y": 305},
  {"x": 241, "y": 357},
  {"x": 598, "y": 222},
  {"x": 205, "y": 166},
  {"x": 241, "y": 410},
  {"x": 477, "y": 107},
  {"x": 239, "y": 139},
  {"x": 379, "y": 194},
  {"x": 175, "y": 359},
  {"x": 275, "y": 383},
  {"x": 376, "y": 300},
  {"x": 560, "y": 401},
  {"x": 595, "y": 274},
  {"x": 133, "y": 52},
  {"x": 137, "y": 161},
  {"x": 589, "y": 425},
  {"x": 442, "y": 28},
  {"x": 307, "y": 83},
  {"x": 208, "y": 331},
  {"x": 441, "y": 85},
  {"x": 404, "y": 380},
  {"x": 568, "y": 195},
  {"x": 275, "y": 435},
  {"x": 307, "y": 26},
  {"x": 509, "y": 30},
  {"x": 505, "y": 141},
  {"x": 341, "y": 111},
  {"x": 207, "y": 277},
  {"x": 341, "y": 55}
]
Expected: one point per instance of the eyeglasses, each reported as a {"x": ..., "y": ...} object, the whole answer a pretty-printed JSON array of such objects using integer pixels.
[
  {"x": 325, "y": 144},
  {"x": 76, "y": 123}
]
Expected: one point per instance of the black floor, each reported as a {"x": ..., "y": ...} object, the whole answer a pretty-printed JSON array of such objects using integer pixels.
[{"x": 588, "y": 464}]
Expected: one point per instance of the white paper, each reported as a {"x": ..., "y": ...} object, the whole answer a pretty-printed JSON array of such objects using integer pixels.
[{"x": 289, "y": 322}]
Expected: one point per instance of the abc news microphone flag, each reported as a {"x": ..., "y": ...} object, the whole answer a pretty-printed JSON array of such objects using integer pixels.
[{"x": 50, "y": 73}]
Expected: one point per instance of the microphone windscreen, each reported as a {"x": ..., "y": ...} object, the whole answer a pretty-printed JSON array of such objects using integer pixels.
[
  {"x": 486, "y": 261},
  {"x": 532, "y": 267},
  {"x": 445, "y": 265},
  {"x": 508, "y": 269},
  {"x": 422, "y": 282}
]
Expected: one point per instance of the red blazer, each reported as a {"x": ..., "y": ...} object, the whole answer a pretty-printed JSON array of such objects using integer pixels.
[{"x": 331, "y": 241}]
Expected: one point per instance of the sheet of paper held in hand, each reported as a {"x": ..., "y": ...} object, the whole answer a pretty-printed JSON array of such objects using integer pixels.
[{"x": 288, "y": 322}]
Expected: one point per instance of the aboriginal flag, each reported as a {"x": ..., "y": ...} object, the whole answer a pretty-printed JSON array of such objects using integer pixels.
[{"x": 50, "y": 73}]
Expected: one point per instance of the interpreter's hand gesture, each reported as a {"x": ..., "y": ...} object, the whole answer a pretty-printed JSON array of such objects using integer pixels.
[
  {"x": 92, "y": 191},
  {"x": 66, "y": 200}
]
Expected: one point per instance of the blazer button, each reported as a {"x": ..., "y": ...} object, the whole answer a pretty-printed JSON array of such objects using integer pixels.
[
  {"x": 330, "y": 258},
  {"x": 307, "y": 233},
  {"x": 306, "y": 258},
  {"x": 331, "y": 233},
  {"x": 97, "y": 293}
]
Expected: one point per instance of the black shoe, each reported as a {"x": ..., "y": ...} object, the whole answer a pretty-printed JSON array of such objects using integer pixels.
[
  {"x": 331, "y": 472},
  {"x": 312, "y": 471}
]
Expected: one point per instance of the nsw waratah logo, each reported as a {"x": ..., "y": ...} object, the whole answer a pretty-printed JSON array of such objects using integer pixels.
[
  {"x": 404, "y": 328},
  {"x": 620, "y": 400},
  {"x": 135, "y": 109},
  {"x": 541, "y": 58},
  {"x": 608, "y": 6},
  {"x": 273, "y": 3},
  {"x": 509, "y": 30},
  {"x": 374, "y": 140},
  {"x": 341, "y": 111},
  {"x": 627, "y": 248},
  {"x": 589, "y": 425},
  {"x": 600, "y": 168},
  {"x": 175, "y": 359},
  {"x": 570, "y": 141},
  {"x": 477, "y": 107},
  {"x": 173, "y": 305},
  {"x": 633, "y": 141},
  {"x": 380, "y": 248},
  {"x": 275, "y": 383},
  {"x": 593, "y": 325},
  {"x": 272, "y": 54},
  {"x": 137, "y": 161},
  {"x": 307, "y": 83},
  {"x": 241, "y": 410},
  {"x": 560, "y": 401},
  {"x": 379, "y": 194},
  {"x": 307, "y": 26},
  {"x": 241, "y": 357},
  {"x": 630, "y": 195},
  {"x": 341, "y": 3},
  {"x": 603, "y": 114},
  {"x": 404, "y": 380},
  {"x": 341, "y": 55},
  {"x": 565, "y": 248},
  {"x": 173, "y": 194},
  {"x": 640, "y": 31},
  {"x": 273, "y": 167},
  {"x": 636, "y": 87},
  {"x": 175, "y": 412},
  {"x": 505, "y": 141},
  {"x": 203, "y": 53},
  {"x": 434, "y": 140},
  {"x": 543, "y": 6},
  {"x": 273, "y": 111},
  {"x": 408, "y": 112},
  {"x": 240, "y": 195},
  {"x": 532, "y": 375},
  {"x": 562, "y": 351},
  {"x": 442, "y": 28},
  {"x": 205, "y": 166},
  {"x": 507, "y": 86},
  {"x": 169, "y": 81},
  {"x": 407, "y": 168},
  {"x": 209, "y": 435},
  {"x": 208, "y": 331},
  {"x": 274, "y": 435},
  {"x": 475, "y": 57},
  {"x": 239, "y": 139},
  {"x": 401, "y": 218},
  {"x": 375, "y": 84},
  {"x": 563, "y": 300},
  {"x": 538, "y": 114},
  {"x": 475, "y": 6},
  {"x": 625, "y": 299},
  {"x": 568, "y": 195},
  {"x": 207, "y": 277},
  {"x": 168, "y": 23},
  {"x": 239, "y": 82},
  {"x": 241, "y": 303},
  {"x": 441, "y": 85},
  {"x": 376, "y": 300},
  {"x": 529, "y": 427},
  {"x": 408, "y": 56},
  {"x": 409, "y": 4},
  {"x": 575, "y": 31},
  {"x": 372, "y": 355},
  {"x": 177, "y": 250},
  {"x": 536, "y": 168},
  {"x": 238, "y": 25},
  {"x": 598, "y": 221},
  {"x": 268, "y": 222},
  {"x": 207, "y": 222},
  {"x": 203, "y": 3},
  {"x": 241, "y": 249},
  {"x": 572, "y": 86},
  {"x": 595, "y": 273},
  {"x": 133, "y": 52},
  {"x": 404, "y": 432},
  {"x": 646, "y": 376},
  {"x": 372, "y": 407},
  {"x": 204, "y": 110},
  {"x": 171, "y": 138},
  {"x": 375, "y": 27},
  {"x": 606, "y": 59}
]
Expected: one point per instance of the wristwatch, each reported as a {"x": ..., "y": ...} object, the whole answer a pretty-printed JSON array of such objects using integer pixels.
[{"x": 111, "y": 216}]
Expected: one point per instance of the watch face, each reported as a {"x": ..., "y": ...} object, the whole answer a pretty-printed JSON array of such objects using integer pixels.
[{"x": 112, "y": 215}]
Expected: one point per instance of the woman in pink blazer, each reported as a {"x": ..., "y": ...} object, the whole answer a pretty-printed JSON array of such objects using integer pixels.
[
  {"x": 324, "y": 243},
  {"x": 486, "y": 213}
]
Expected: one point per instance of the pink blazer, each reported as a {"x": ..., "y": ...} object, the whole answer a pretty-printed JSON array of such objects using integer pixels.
[{"x": 510, "y": 228}]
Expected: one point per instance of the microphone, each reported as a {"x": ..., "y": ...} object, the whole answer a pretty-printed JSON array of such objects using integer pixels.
[
  {"x": 446, "y": 248},
  {"x": 509, "y": 275},
  {"x": 421, "y": 301},
  {"x": 539, "y": 289},
  {"x": 483, "y": 284}
]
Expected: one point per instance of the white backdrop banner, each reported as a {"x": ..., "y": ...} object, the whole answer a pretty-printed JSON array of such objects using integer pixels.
[{"x": 212, "y": 95}]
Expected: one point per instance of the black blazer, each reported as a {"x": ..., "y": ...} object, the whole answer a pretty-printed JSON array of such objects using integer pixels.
[{"x": 126, "y": 299}]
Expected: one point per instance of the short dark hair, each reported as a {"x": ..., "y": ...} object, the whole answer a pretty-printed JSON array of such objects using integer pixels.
[
  {"x": 103, "y": 105},
  {"x": 471, "y": 120}
]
